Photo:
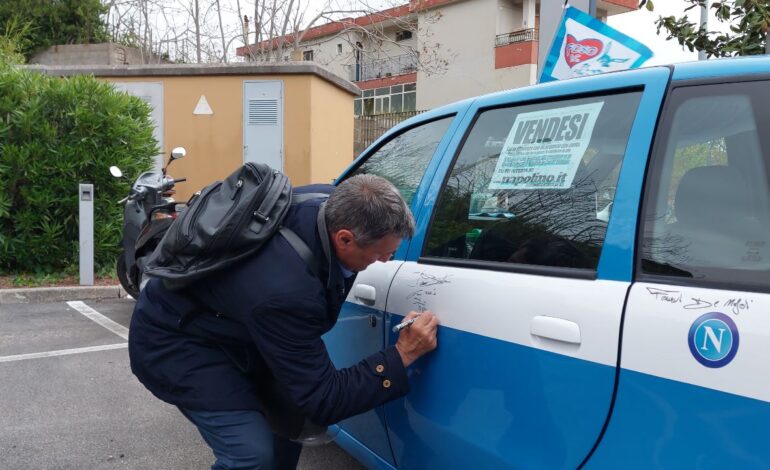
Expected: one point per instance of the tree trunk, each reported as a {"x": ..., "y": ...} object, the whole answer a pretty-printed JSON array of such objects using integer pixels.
[
  {"x": 222, "y": 33},
  {"x": 197, "y": 20}
]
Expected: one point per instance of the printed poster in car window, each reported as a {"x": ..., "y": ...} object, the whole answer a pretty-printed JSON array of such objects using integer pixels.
[{"x": 543, "y": 150}]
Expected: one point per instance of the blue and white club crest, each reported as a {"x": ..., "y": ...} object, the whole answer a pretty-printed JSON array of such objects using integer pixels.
[{"x": 713, "y": 339}]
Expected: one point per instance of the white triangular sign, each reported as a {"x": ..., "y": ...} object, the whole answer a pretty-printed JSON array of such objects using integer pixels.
[{"x": 203, "y": 106}]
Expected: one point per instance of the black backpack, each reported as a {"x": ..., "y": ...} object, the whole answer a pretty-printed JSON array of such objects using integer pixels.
[{"x": 226, "y": 222}]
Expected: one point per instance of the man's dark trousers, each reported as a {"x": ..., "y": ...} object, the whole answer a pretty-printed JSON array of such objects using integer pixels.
[{"x": 241, "y": 439}]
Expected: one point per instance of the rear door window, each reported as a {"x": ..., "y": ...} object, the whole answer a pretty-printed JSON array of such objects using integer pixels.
[
  {"x": 535, "y": 184},
  {"x": 707, "y": 213}
]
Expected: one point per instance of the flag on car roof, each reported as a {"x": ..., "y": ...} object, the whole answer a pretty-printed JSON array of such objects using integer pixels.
[{"x": 583, "y": 45}]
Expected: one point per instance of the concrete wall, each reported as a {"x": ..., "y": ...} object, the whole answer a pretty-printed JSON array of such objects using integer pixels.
[
  {"x": 466, "y": 31},
  {"x": 331, "y": 131},
  {"x": 509, "y": 17},
  {"x": 515, "y": 77},
  {"x": 83, "y": 54},
  {"x": 325, "y": 52},
  {"x": 93, "y": 54},
  {"x": 325, "y": 48}
]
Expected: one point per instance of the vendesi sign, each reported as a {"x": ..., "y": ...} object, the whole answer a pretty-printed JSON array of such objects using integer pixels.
[
  {"x": 583, "y": 45},
  {"x": 543, "y": 150}
]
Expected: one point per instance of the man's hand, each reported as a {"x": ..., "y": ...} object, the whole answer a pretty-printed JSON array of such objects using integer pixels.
[{"x": 418, "y": 338}]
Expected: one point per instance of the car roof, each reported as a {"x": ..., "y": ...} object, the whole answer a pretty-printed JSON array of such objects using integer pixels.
[
  {"x": 705, "y": 69},
  {"x": 725, "y": 67}
]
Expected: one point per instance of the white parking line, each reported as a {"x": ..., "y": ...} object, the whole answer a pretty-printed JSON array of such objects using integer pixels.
[
  {"x": 116, "y": 328},
  {"x": 62, "y": 352}
]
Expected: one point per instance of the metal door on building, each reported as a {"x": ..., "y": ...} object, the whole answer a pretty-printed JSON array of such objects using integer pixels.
[
  {"x": 263, "y": 123},
  {"x": 152, "y": 93}
]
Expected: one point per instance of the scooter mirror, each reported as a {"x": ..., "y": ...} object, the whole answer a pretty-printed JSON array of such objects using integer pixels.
[
  {"x": 177, "y": 153},
  {"x": 115, "y": 171}
]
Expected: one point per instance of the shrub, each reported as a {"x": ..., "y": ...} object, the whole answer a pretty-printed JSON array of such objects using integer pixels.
[{"x": 54, "y": 134}]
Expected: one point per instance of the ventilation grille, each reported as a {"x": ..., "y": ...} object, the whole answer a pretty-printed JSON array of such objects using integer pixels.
[{"x": 263, "y": 112}]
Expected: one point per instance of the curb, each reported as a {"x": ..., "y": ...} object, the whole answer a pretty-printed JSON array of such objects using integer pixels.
[{"x": 60, "y": 294}]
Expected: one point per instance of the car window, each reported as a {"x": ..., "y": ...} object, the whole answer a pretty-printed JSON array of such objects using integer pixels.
[
  {"x": 403, "y": 159},
  {"x": 707, "y": 216},
  {"x": 535, "y": 184}
]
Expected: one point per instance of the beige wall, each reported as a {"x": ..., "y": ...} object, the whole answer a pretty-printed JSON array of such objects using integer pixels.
[
  {"x": 318, "y": 127},
  {"x": 331, "y": 131},
  {"x": 325, "y": 52},
  {"x": 375, "y": 48},
  {"x": 471, "y": 54},
  {"x": 469, "y": 46}
]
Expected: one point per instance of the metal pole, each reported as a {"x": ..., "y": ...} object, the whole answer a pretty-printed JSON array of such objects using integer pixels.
[
  {"x": 704, "y": 24},
  {"x": 86, "y": 222},
  {"x": 592, "y": 8}
]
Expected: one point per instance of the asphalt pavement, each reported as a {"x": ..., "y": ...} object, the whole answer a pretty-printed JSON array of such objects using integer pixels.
[{"x": 69, "y": 400}]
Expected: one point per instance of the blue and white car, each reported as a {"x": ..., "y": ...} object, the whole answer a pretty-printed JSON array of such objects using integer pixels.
[{"x": 598, "y": 253}]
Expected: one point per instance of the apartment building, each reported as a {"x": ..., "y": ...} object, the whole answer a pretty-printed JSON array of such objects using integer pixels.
[{"x": 427, "y": 53}]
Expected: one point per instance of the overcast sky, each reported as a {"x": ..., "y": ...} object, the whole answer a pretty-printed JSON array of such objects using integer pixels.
[{"x": 640, "y": 25}]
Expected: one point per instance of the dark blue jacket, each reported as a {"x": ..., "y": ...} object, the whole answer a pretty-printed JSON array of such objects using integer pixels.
[{"x": 265, "y": 315}]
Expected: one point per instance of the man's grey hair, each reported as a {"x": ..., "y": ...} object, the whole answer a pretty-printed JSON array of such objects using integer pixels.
[{"x": 370, "y": 207}]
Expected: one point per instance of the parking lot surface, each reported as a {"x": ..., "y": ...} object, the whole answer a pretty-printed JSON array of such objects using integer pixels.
[{"x": 69, "y": 400}]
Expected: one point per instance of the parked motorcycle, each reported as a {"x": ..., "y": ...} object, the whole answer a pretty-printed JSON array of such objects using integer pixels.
[{"x": 149, "y": 211}]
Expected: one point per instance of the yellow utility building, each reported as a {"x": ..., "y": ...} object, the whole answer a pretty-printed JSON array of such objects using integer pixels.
[{"x": 297, "y": 117}]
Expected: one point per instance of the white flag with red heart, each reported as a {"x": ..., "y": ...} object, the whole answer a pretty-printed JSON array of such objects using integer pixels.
[{"x": 584, "y": 46}]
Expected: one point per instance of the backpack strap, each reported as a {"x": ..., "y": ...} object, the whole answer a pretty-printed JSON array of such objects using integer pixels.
[
  {"x": 323, "y": 233},
  {"x": 299, "y": 198},
  {"x": 300, "y": 246},
  {"x": 302, "y": 250}
]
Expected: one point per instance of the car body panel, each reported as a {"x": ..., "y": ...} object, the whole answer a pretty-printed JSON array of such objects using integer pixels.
[
  {"x": 630, "y": 393},
  {"x": 680, "y": 410},
  {"x": 503, "y": 307},
  {"x": 358, "y": 334},
  {"x": 494, "y": 393},
  {"x": 360, "y": 329},
  {"x": 727, "y": 67}
]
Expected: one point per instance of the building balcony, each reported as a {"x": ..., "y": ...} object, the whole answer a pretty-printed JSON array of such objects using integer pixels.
[
  {"x": 390, "y": 67},
  {"x": 516, "y": 48},
  {"x": 522, "y": 35}
]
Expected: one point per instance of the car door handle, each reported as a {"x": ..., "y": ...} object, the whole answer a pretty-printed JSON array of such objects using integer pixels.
[
  {"x": 557, "y": 329},
  {"x": 365, "y": 293}
]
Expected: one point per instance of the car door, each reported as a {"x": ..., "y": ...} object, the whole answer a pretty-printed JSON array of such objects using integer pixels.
[
  {"x": 524, "y": 253},
  {"x": 403, "y": 157},
  {"x": 693, "y": 389}
]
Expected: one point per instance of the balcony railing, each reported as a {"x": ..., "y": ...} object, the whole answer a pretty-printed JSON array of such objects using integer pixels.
[
  {"x": 523, "y": 35},
  {"x": 389, "y": 67}
]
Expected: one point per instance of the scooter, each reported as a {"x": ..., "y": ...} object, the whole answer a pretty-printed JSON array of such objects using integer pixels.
[{"x": 149, "y": 211}]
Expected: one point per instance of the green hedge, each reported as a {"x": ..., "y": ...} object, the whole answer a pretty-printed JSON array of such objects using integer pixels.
[{"x": 54, "y": 134}]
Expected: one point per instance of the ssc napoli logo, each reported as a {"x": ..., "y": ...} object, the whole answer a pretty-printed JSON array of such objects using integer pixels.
[{"x": 713, "y": 339}]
